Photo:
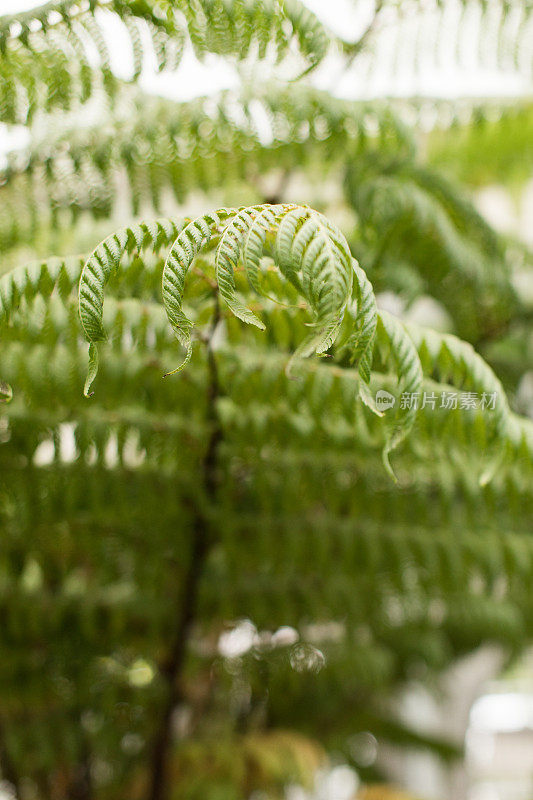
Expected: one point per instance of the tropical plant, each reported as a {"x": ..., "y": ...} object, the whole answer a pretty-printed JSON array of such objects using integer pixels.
[{"x": 210, "y": 583}]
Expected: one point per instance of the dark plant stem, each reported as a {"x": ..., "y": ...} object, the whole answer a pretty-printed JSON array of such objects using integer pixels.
[
  {"x": 276, "y": 196},
  {"x": 9, "y": 773},
  {"x": 186, "y": 608},
  {"x": 81, "y": 785}
]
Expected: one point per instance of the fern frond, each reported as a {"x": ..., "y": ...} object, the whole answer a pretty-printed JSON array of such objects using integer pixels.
[
  {"x": 310, "y": 252},
  {"x": 409, "y": 371},
  {"x": 162, "y": 147},
  {"x": 187, "y": 246},
  {"x": 46, "y": 62},
  {"x": 413, "y": 215},
  {"x": 409, "y": 37},
  {"x": 455, "y": 361},
  {"x": 106, "y": 258},
  {"x": 313, "y": 259},
  {"x": 38, "y": 279},
  {"x": 265, "y": 464}
]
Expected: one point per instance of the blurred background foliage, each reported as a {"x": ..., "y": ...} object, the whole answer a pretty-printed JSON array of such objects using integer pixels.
[
  {"x": 210, "y": 587},
  {"x": 504, "y": 139}
]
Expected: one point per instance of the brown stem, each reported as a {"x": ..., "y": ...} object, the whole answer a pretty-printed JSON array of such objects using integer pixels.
[
  {"x": 81, "y": 786},
  {"x": 80, "y": 783},
  {"x": 276, "y": 196},
  {"x": 173, "y": 667}
]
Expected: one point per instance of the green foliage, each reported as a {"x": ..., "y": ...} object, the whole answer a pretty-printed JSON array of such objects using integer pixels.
[
  {"x": 232, "y": 767},
  {"x": 493, "y": 147},
  {"x": 262, "y": 492},
  {"x": 258, "y": 410},
  {"x": 412, "y": 216},
  {"x": 45, "y": 53},
  {"x": 161, "y": 147}
]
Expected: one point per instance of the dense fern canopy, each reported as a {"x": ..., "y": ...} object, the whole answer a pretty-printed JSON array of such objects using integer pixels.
[{"x": 211, "y": 583}]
